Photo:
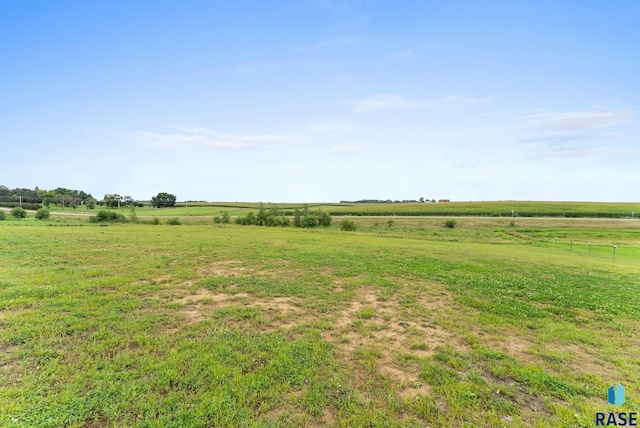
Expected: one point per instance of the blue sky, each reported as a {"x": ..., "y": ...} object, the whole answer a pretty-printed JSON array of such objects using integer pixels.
[{"x": 322, "y": 100}]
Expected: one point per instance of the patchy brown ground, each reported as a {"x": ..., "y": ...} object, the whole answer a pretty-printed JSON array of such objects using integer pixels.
[
  {"x": 395, "y": 330},
  {"x": 383, "y": 327},
  {"x": 277, "y": 312}
]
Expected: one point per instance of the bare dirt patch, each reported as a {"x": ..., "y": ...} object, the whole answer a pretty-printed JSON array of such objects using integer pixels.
[
  {"x": 277, "y": 312},
  {"x": 386, "y": 326},
  {"x": 226, "y": 268}
]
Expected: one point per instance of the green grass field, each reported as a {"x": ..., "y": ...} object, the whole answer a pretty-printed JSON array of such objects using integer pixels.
[
  {"x": 493, "y": 209},
  {"x": 490, "y": 209},
  {"x": 491, "y": 323}
]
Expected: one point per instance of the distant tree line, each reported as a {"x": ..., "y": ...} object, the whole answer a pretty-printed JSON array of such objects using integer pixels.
[
  {"x": 34, "y": 199},
  {"x": 387, "y": 201},
  {"x": 114, "y": 200}
]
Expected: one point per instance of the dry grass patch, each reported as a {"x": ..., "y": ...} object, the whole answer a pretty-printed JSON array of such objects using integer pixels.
[
  {"x": 277, "y": 312},
  {"x": 382, "y": 326}
]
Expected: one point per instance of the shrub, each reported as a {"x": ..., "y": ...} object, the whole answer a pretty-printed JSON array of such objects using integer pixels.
[
  {"x": 217, "y": 220},
  {"x": 306, "y": 218},
  {"x": 43, "y": 214},
  {"x": 18, "y": 212},
  {"x": 390, "y": 223},
  {"x": 451, "y": 223},
  {"x": 324, "y": 218},
  {"x": 347, "y": 225},
  {"x": 133, "y": 217},
  {"x": 155, "y": 220},
  {"x": 225, "y": 218},
  {"x": 175, "y": 221},
  {"x": 104, "y": 216},
  {"x": 3, "y": 216}
]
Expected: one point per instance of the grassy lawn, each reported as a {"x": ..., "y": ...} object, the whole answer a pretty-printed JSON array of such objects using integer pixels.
[{"x": 398, "y": 324}]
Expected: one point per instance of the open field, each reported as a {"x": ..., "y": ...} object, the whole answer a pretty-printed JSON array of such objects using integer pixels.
[
  {"x": 478, "y": 209},
  {"x": 402, "y": 324},
  {"x": 493, "y": 209}
]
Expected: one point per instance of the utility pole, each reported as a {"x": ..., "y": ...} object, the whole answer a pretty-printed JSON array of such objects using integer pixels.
[{"x": 21, "y": 201}]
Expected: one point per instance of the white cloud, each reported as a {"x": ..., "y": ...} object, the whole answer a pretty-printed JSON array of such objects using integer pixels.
[
  {"x": 389, "y": 101},
  {"x": 404, "y": 54},
  {"x": 345, "y": 149},
  {"x": 251, "y": 67},
  {"x": 332, "y": 43},
  {"x": 330, "y": 126},
  {"x": 580, "y": 120},
  {"x": 459, "y": 101},
  {"x": 386, "y": 102},
  {"x": 190, "y": 138}
]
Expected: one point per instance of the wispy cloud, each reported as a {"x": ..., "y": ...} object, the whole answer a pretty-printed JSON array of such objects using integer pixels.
[
  {"x": 405, "y": 54},
  {"x": 330, "y": 126},
  {"x": 251, "y": 67},
  {"x": 580, "y": 120},
  {"x": 335, "y": 8},
  {"x": 459, "y": 101},
  {"x": 388, "y": 101},
  {"x": 191, "y": 138},
  {"x": 339, "y": 42},
  {"x": 345, "y": 149},
  {"x": 569, "y": 146},
  {"x": 561, "y": 153},
  {"x": 554, "y": 139}
]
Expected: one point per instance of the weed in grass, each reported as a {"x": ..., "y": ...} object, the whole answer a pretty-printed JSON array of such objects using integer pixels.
[{"x": 367, "y": 313}]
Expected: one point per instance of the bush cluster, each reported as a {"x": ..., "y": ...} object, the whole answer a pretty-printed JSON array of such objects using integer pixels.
[
  {"x": 19, "y": 212},
  {"x": 451, "y": 223},
  {"x": 308, "y": 218},
  {"x": 271, "y": 217},
  {"x": 275, "y": 217},
  {"x": 104, "y": 216},
  {"x": 43, "y": 214},
  {"x": 175, "y": 221},
  {"x": 347, "y": 225},
  {"x": 3, "y": 216},
  {"x": 223, "y": 218}
]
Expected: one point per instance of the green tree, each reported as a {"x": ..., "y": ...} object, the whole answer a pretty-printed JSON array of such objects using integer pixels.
[
  {"x": 112, "y": 200},
  {"x": 133, "y": 217},
  {"x": 163, "y": 200},
  {"x": 261, "y": 218}
]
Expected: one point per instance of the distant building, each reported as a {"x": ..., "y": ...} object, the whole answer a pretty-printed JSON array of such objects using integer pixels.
[{"x": 444, "y": 200}]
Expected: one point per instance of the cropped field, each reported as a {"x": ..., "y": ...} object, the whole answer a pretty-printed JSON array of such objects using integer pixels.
[
  {"x": 516, "y": 209},
  {"x": 403, "y": 323},
  {"x": 492, "y": 209}
]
